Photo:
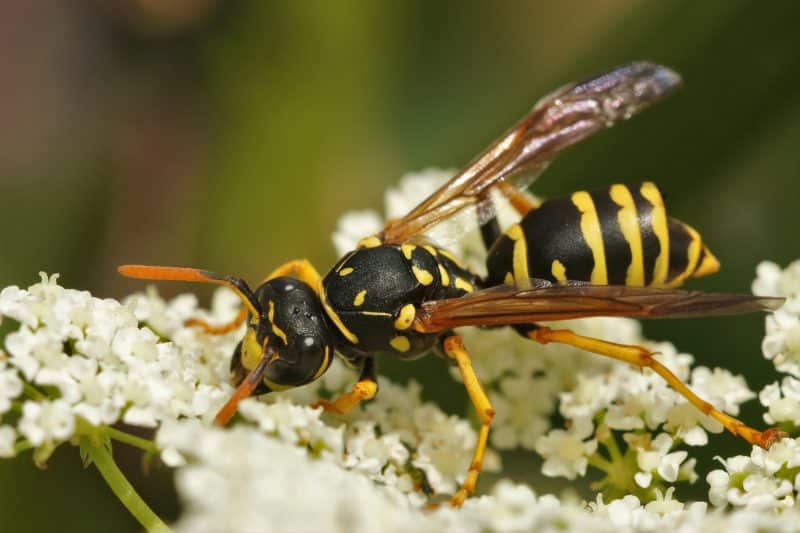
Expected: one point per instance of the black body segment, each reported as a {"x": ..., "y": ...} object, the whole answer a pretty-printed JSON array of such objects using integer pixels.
[
  {"x": 616, "y": 236},
  {"x": 372, "y": 294}
]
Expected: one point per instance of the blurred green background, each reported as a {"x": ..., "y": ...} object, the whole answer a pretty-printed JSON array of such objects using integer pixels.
[{"x": 231, "y": 135}]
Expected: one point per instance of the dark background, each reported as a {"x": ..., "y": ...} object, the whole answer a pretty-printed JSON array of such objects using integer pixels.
[{"x": 231, "y": 135}]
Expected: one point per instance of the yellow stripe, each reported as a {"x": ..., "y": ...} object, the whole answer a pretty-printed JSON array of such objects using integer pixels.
[
  {"x": 692, "y": 256},
  {"x": 509, "y": 279},
  {"x": 275, "y": 329},
  {"x": 444, "y": 275},
  {"x": 520, "y": 256},
  {"x": 658, "y": 220},
  {"x": 324, "y": 366},
  {"x": 559, "y": 271},
  {"x": 374, "y": 313},
  {"x": 464, "y": 285},
  {"x": 345, "y": 271},
  {"x": 452, "y": 258},
  {"x": 590, "y": 228},
  {"x": 407, "y": 250},
  {"x": 431, "y": 250},
  {"x": 349, "y": 335},
  {"x": 629, "y": 224},
  {"x": 369, "y": 242}
]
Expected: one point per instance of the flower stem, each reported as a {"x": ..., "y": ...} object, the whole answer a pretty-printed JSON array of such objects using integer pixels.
[
  {"x": 613, "y": 449},
  {"x": 32, "y": 392},
  {"x": 132, "y": 440},
  {"x": 103, "y": 460},
  {"x": 597, "y": 461},
  {"x": 22, "y": 446}
]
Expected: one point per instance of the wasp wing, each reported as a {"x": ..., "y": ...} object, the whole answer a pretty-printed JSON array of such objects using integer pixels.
[
  {"x": 558, "y": 121},
  {"x": 543, "y": 301}
]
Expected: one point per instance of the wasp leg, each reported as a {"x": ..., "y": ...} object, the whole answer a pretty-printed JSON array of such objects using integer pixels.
[
  {"x": 521, "y": 201},
  {"x": 490, "y": 229},
  {"x": 245, "y": 389},
  {"x": 643, "y": 358},
  {"x": 365, "y": 389},
  {"x": 302, "y": 269},
  {"x": 221, "y": 329},
  {"x": 454, "y": 349}
]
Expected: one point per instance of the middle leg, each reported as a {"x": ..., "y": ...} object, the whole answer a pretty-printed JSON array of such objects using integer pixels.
[{"x": 454, "y": 349}]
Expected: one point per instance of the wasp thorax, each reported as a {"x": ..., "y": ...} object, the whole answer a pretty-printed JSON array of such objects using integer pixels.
[{"x": 293, "y": 329}]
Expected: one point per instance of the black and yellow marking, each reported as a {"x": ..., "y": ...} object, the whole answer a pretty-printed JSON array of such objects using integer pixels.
[
  {"x": 405, "y": 317},
  {"x": 655, "y": 236},
  {"x": 616, "y": 236},
  {"x": 592, "y": 232},
  {"x": 360, "y": 296}
]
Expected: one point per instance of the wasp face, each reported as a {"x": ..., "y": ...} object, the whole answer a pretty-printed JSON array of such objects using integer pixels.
[{"x": 292, "y": 331}]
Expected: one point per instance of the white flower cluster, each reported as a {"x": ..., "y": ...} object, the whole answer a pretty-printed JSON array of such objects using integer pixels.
[
  {"x": 767, "y": 480},
  {"x": 240, "y": 480},
  {"x": 88, "y": 359},
  {"x": 73, "y": 361},
  {"x": 782, "y": 342}
]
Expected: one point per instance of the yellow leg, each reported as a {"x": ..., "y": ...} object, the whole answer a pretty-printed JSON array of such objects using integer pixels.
[
  {"x": 302, "y": 269},
  {"x": 520, "y": 201},
  {"x": 365, "y": 389},
  {"x": 643, "y": 358},
  {"x": 454, "y": 349}
]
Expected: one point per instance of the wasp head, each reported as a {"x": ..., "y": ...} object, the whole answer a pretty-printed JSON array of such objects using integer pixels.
[{"x": 291, "y": 330}]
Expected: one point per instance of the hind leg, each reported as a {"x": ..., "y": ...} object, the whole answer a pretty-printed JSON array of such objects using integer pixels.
[{"x": 643, "y": 358}]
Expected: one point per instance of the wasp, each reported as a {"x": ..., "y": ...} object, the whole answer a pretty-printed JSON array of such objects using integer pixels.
[{"x": 610, "y": 252}]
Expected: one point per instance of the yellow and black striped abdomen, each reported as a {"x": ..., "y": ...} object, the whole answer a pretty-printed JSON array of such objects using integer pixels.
[{"x": 616, "y": 236}]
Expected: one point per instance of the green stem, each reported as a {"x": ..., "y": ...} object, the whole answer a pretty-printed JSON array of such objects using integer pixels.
[
  {"x": 32, "y": 392},
  {"x": 21, "y": 446},
  {"x": 613, "y": 449},
  {"x": 104, "y": 461},
  {"x": 132, "y": 440},
  {"x": 597, "y": 461}
]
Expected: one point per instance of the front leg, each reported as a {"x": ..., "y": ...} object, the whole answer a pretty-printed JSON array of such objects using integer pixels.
[
  {"x": 364, "y": 389},
  {"x": 454, "y": 349}
]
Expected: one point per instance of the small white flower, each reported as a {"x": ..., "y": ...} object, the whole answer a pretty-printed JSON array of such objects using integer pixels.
[
  {"x": 46, "y": 421},
  {"x": 566, "y": 452},
  {"x": 782, "y": 454},
  {"x": 354, "y": 226},
  {"x": 293, "y": 424},
  {"x": 721, "y": 388},
  {"x": 657, "y": 458},
  {"x": 664, "y": 504},
  {"x": 10, "y": 385},
  {"x": 782, "y": 401},
  {"x": 522, "y": 408},
  {"x": 8, "y": 436}
]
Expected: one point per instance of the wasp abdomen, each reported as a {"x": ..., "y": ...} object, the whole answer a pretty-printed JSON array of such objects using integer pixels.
[{"x": 616, "y": 236}]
